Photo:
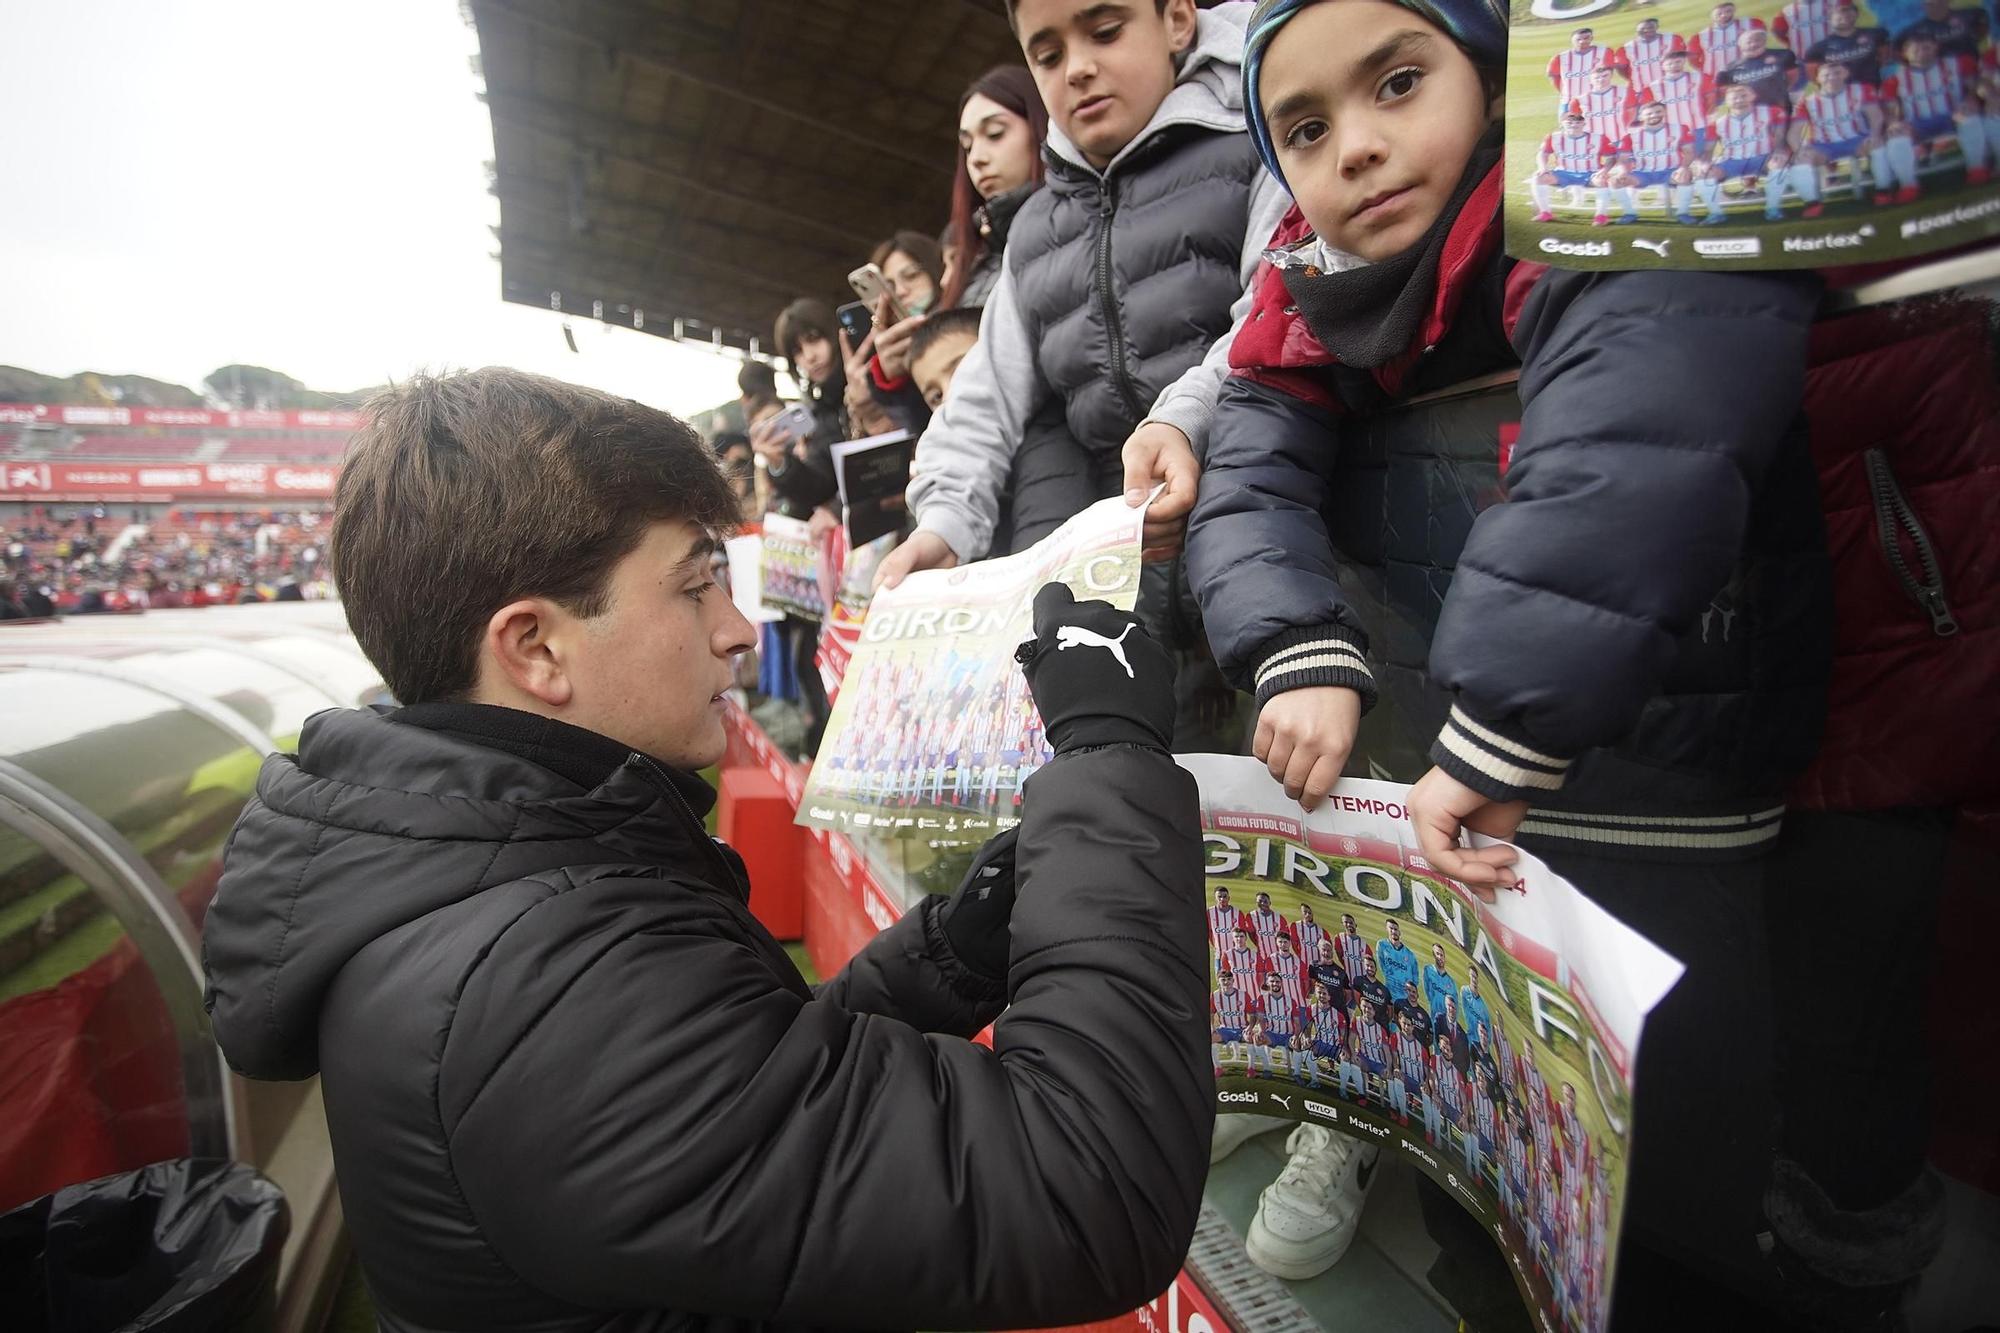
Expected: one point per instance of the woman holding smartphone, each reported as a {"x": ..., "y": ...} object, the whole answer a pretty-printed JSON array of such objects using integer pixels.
[{"x": 1001, "y": 126}]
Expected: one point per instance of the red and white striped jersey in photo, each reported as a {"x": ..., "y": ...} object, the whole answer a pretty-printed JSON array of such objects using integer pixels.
[
  {"x": 1326, "y": 1024},
  {"x": 1838, "y": 117},
  {"x": 1804, "y": 24},
  {"x": 1687, "y": 98},
  {"x": 1222, "y": 923},
  {"x": 1245, "y": 963},
  {"x": 1291, "y": 975},
  {"x": 1308, "y": 934},
  {"x": 1607, "y": 112},
  {"x": 1662, "y": 149},
  {"x": 1645, "y": 61},
  {"x": 1754, "y": 134},
  {"x": 1269, "y": 924},
  {"x": 1929, "y": 93},
  {"x": 1374, "y": 1042},
  {"x": 1232, "y": 1010},
  {"x": 1569, "y": 69},
  {"x": 1574, "y": 152},
  {"x": 1715, "y": 47},
  {"x": 1353, "y": 951}
]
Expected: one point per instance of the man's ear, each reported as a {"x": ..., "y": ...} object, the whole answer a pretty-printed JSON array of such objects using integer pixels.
[
  {"x": 1181, "y": 25},
  {"x": 519, "y": 651}
]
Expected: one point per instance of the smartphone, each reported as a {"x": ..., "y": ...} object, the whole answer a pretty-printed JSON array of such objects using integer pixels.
[
  {"x": 858, "y": 319},
  {"x": 795, "y": 422},
  {"x": 871, "y": 286}
]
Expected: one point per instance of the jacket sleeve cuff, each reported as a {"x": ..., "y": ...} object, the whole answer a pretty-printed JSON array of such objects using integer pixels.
[
  {"x": 958, "y": 532},
  {"x": 1494, "y": 760},
  {"x": 1316, "y": 655},
  {"x": 1187, "y": 413},
  {"x": 883, "y": 382}
]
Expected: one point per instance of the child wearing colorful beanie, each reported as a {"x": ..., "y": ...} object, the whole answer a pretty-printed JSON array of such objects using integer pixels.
[{"x": 1607, "y": 640}]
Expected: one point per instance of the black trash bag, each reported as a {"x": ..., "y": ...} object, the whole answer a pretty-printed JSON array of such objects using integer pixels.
[{"x": 186, "y": 1246}]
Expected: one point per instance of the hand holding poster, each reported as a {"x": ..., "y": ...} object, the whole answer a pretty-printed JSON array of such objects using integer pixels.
[
  {"x": 934, "y": 731},
  {"x": 1492, "y": 1046},
  {"x": 1753, "y": 134}
]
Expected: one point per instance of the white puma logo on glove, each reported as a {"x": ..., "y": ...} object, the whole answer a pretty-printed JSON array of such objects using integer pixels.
[{"x": 1076, "y": 636}]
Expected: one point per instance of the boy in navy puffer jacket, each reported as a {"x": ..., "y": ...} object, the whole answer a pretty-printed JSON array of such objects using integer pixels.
[{"x": 1634, "y": 643}]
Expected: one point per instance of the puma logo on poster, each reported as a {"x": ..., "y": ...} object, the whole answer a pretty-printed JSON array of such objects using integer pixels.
[
  {"x": 1076, "y": 636},
  {"x": 1657, "y": 247}
]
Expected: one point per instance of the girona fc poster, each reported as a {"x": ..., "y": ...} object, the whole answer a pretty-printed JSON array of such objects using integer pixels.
[
  {"x": 934, "y": 731},
  {"x": 1689, "y": 134},
  {"x": 1493, "y": 1046}
]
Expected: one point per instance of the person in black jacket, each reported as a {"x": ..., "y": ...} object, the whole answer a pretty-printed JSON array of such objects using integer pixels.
[
  {"x": 1609, "y": 642},
  {"x": 571, "y": 1082}
]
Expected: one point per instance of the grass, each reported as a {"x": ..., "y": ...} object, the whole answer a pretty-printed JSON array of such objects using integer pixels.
[{"x": 1530, "y": 47}]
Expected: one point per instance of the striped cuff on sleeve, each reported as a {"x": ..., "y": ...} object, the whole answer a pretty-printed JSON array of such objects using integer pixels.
[
  {"x": 1319, "y": 655},
  {"x": 1502, "y": 767}
]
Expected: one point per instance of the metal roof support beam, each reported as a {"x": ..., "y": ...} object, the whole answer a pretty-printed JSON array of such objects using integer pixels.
[{"x": 820, "y": 123}]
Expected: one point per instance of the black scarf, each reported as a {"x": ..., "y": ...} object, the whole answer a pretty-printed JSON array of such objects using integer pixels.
[{"x": 1366, "y": 317}]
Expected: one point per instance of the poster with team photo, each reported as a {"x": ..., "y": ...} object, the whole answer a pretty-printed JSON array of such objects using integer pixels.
[
  {"x": 1689, "y": 134},
  {"x": 934, "y": 731},
  {"x": 796, "y": 568},
  {"x": 1492, "y": 1046}
]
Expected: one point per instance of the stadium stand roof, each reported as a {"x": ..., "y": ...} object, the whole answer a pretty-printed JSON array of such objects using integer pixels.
[{"x": 681, "y": 159}]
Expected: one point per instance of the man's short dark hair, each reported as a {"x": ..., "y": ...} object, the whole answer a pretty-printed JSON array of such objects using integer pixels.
[
  {"x": 944, "y": 324},
  {"x": 467, "y": 491}
]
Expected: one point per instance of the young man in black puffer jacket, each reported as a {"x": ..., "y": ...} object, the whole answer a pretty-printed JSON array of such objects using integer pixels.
[
  {"x": 1609, "y": 639},
  {"x": 571, "y": 1082}
]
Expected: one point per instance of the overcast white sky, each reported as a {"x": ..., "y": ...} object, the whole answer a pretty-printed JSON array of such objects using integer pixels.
[{"x": 191, "y": 183}]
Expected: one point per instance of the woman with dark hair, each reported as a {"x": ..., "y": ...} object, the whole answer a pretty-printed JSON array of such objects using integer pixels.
[
  {"x": 1001, "y": 126},
  {"x": 914, "y": 266}
]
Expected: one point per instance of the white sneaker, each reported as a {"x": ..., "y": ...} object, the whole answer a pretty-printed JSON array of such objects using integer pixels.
[
  {"x": 1234, "y": 1129},
  {"x": 1307, "y": 1217}
]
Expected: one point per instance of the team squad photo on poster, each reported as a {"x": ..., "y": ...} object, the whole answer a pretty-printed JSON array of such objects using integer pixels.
[
  {"x": 1833, "y": 131},
  {"x": 1409, "y": 1025},
  {"x": 933, "y": 731}
]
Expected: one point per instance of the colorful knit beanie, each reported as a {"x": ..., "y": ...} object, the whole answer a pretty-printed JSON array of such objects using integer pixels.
[{"x": 1478, "y": 26}]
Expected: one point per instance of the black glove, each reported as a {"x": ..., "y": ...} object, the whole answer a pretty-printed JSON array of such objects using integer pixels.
[
  {"x": 975, "y": 918},
  {"x": 1097, "y": 675}
]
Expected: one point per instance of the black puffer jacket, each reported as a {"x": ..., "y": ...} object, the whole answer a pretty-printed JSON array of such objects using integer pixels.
[
  {"x": 1630, "y": 627},
  {"x": 573, "y": 1084},
  {"x": 1126, "y": 280}
]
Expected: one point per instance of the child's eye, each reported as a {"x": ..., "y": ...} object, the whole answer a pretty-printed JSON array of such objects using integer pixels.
[
  {"x": 1304, "y": 133},
  {"x": 1108, "y": 33},
  {"x": 699, "y": 590},
  {"x": 1046, "y": 57},
  {"x": 1402, "y": 83}
]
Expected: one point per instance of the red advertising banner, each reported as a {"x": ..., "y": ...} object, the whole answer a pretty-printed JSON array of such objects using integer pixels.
[
  {"x": 117, "y": 481},
  {"x": 52, "y": 414}
]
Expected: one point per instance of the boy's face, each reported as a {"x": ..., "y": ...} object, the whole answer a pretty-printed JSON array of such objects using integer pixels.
[
  {"x": 1103, "y": 67},
  {"x": 1372, "y": 139},
  {"x": 934, "y": 369},
  {"x": 651, "y": 669}
]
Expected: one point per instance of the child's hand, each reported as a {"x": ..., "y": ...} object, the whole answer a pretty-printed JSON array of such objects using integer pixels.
[
  {"x": 1440, "y": 805},
  {"x": 924, "y": 550},
  {"x": 1304, "y": 735},
  {"x": 1155, "y": 453}
]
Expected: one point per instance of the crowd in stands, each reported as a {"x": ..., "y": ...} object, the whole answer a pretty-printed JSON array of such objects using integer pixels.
[
  {"x": 61, "y": 561},
  {"x": 1143, "y": 269}
]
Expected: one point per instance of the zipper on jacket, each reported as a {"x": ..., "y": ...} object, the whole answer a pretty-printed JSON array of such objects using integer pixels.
[
  {"x": 665, "y": 785},
  {"x": 1895, "y": 519},
  {"x": 1114, "y": 331}
]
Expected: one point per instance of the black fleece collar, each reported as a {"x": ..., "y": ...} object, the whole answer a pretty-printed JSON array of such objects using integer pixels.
[{"x": 584, "y": 757}]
